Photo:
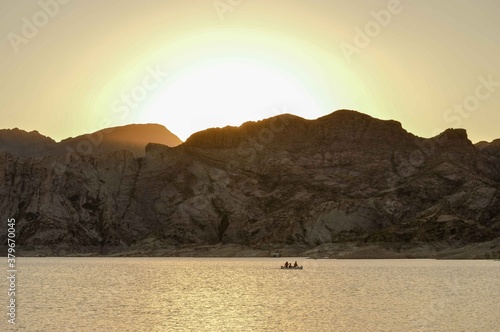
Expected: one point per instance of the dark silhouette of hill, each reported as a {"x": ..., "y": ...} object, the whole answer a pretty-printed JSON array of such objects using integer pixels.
[
  {"x": 133, "y": 138},
  {"x": 25, "y": 144},
  {"x": 491, "y": 148}
]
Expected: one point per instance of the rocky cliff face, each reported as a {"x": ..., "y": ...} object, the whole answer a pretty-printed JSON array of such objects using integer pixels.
[{"x": 283, "y": 180}]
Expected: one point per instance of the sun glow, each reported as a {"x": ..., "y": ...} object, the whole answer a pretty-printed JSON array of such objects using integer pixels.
[{"x": 230, "y": 92}]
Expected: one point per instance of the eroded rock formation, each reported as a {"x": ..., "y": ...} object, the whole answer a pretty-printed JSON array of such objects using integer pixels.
[{"x": 284, "y": 180}]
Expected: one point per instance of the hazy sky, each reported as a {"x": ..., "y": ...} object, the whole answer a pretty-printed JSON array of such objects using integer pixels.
[{"x": 72, "y": 66}]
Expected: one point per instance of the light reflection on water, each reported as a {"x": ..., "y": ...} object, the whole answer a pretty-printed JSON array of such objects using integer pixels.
[{"x": 254, "y": 294}]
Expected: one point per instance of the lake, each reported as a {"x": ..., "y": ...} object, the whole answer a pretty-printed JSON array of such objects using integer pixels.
[{"x": 254, "y": 294}]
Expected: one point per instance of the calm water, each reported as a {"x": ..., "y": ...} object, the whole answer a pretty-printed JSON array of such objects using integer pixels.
[{"x": 253, "y": 294}]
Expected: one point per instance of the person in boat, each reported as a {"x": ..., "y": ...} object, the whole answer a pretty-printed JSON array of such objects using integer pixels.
[
  {"x": 286, "y": 264},
  {"x": 295, "y": 265}
]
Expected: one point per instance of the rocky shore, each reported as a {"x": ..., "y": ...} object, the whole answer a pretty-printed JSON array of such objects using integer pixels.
[{"x": 350, "y": 250}]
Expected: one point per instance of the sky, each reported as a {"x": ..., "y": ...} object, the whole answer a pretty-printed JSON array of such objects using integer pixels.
[{"x": 69, "y": 67}]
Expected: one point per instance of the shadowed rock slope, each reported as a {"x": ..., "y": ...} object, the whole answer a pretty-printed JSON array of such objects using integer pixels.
[
  {"x": 281, "y": 181},
  {"x": 492, "y": 148}
]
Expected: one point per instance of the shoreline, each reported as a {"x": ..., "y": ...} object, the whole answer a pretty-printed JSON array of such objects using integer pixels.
[{"x": 438, "y": 250}]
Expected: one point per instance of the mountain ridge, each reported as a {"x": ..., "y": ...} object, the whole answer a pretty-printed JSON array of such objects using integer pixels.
[
  {"x": 34, "y": 144},
  {"x": 345, "y": 177},
  {"x": 340, "y": 118}
]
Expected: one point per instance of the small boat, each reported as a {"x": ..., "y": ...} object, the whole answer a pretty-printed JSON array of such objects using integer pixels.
[{"x": 292, "y": 267}]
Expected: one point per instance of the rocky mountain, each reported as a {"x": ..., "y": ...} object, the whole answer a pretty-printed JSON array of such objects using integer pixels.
[
  {"x": 133, "y": 138},
  {"x": 283, "y": 181},
  {"x": 25, "y": 144},
  {"x": 491, "y": 148}
]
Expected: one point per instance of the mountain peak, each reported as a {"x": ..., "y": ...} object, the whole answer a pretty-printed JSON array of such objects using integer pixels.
[
  {"x": 492, "y": 148},
  {"x": 19, "y": 134},
  {"x": 454, "y": 137},
  {"x": 347, "y": 125},
  {"x": 132, "y": 137},
  {"x": 24, "y": 143}
]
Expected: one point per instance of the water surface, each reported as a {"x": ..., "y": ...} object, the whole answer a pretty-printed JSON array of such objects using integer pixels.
[{"x": 254, "y": 294}]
